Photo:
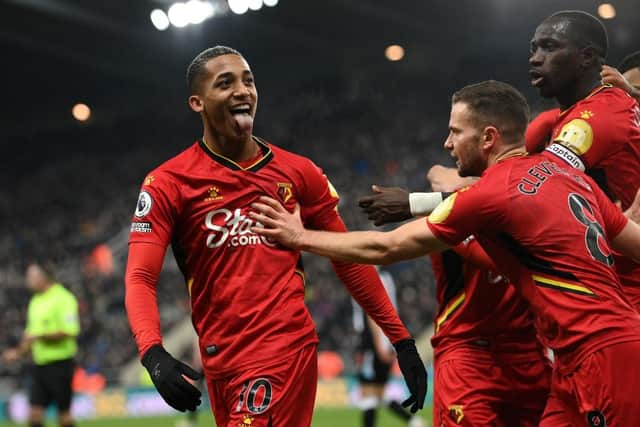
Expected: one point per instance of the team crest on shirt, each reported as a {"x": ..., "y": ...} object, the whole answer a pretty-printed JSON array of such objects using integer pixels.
[
  {"x": 596, "y": 419},
  {"x": 456, "y": 413},
  {"x": 213, "y": 194},
  {"x": 285, "y": 191},
  {"x": 576, "y": 135},
  {"x": 145, "y": 201}
]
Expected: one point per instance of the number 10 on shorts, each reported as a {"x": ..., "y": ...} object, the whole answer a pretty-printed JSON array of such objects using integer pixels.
[{"x": 255, "y": 396}]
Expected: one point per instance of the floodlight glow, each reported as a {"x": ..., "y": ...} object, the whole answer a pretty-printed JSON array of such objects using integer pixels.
[
  {"x": 198, "y": 11},
  {"x": 179, "y": 15},
  {"x": 239, "y": 6},
  {"x": 270, "y": 3},
  {"x": 394, "y": 52},
  {"x": 607, "y": 11},
  {"x": 81, "y": 112},
  {"x": 159, "y": 19},
  {"x": 255, "y": 4}
]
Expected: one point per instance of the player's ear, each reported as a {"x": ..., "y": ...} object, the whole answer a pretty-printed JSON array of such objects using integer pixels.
[
  {"x": 588, "y": 56},
  {"x": 196, "y": 104},
  {"x": 489, "y": 137}
]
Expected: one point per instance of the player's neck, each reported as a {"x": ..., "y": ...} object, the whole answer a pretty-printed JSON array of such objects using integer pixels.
[
  {"x": 236, "y": 150},
  {"x": 581, "y": 90},
  {"x": 506, "y": 153}
]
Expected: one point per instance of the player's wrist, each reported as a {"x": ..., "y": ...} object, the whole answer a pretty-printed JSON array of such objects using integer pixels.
[
  {"x": 422, "y": 204},
  {"x": 303, "y": 241}
]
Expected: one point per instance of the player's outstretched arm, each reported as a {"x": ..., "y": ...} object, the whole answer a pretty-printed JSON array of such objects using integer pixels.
[
  {"x": 364, "y": 247},
  {"x": 612, "y": 76},
  {"x": 393, "y": 204},
  {"x": 143, "y": 268},
  {"x": 628, "y": 241}
]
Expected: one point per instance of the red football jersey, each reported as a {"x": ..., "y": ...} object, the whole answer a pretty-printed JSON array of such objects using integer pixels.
[
  {"x": 600, "y": 134},
  {"x": 479, "y": 311},
  {"x": 548, "y": 226},
  {"x": 247, "y": 293}
]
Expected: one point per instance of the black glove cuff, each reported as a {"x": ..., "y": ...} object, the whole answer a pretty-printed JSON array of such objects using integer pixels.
[
  {"x": 404, "y": 344},
  {"x": 152, "y": 354}
]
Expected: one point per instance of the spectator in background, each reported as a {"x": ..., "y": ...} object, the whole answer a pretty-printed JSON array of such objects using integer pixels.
[{"x": 52, "y": 328}]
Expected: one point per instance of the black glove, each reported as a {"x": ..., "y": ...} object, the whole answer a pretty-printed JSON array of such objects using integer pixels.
[
  {"x": 167, "y": 375},
  {"x": 414, "y": 373}
]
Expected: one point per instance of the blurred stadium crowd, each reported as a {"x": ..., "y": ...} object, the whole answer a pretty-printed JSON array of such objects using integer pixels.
[{"x": 360, "y": 130}]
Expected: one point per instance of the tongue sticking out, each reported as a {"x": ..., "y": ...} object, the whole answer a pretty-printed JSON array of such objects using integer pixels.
[{"x": 244, "y": 122}]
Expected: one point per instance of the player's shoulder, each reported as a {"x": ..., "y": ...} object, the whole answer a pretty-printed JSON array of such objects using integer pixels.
[
  {"x": 608, "y": 99},
  {"x": 65, "y": 293},
  {"x": 286, "y": 156},
  {"x": 295, "y": 164},
  {"x": 176, "y": 166}
]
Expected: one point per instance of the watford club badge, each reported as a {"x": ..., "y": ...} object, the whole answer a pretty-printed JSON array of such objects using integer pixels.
[{"x": 285, "y": 191}]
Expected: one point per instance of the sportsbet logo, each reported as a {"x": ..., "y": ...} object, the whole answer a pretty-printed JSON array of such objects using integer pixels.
[{"x": 232, "y": 229}]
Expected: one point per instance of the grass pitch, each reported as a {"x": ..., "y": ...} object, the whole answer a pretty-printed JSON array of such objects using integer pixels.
[{"x": 321, "y": 418}]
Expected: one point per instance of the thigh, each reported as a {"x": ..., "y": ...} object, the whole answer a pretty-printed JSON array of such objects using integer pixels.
[
  {"x": 61, "y": 383},
  {"x": 282, "y": 394},
  {"x": 39, "y": 393},
  {"x": 460, "y": 397},
  {"x": 561, "y": 409},
  {"x": 524, "y": 389},
  {"x": 606, "y": 386}
]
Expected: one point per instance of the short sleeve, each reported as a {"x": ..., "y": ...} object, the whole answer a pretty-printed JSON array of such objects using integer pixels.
[
  {"x": 68, "y": 320},
  {"x": 319, "y": 200},
  {"x": 156, "y": 211},
  {"x": 467, "y": 211},
  {"x": 30, "y": 328}
]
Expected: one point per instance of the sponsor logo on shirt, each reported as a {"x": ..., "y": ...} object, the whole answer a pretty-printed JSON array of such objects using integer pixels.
[
  {"x": 247, "y": 421},
  {"x": 213, "y": 193},
  {"x": 145, "y": 201},
  {"x": 596, "y": 419},
  {"x": 141, "y": 227},
  {"x": 232, "y": 228}
]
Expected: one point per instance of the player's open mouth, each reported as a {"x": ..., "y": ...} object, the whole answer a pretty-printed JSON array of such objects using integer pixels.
[
  {"x": 241, "y": 109},
  {"x": 242, "y": 117},
  {"x": 537, "y": 79}
]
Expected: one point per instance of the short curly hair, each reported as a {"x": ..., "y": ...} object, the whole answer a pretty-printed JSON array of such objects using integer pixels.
[{"x": 196, "y": 70}]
